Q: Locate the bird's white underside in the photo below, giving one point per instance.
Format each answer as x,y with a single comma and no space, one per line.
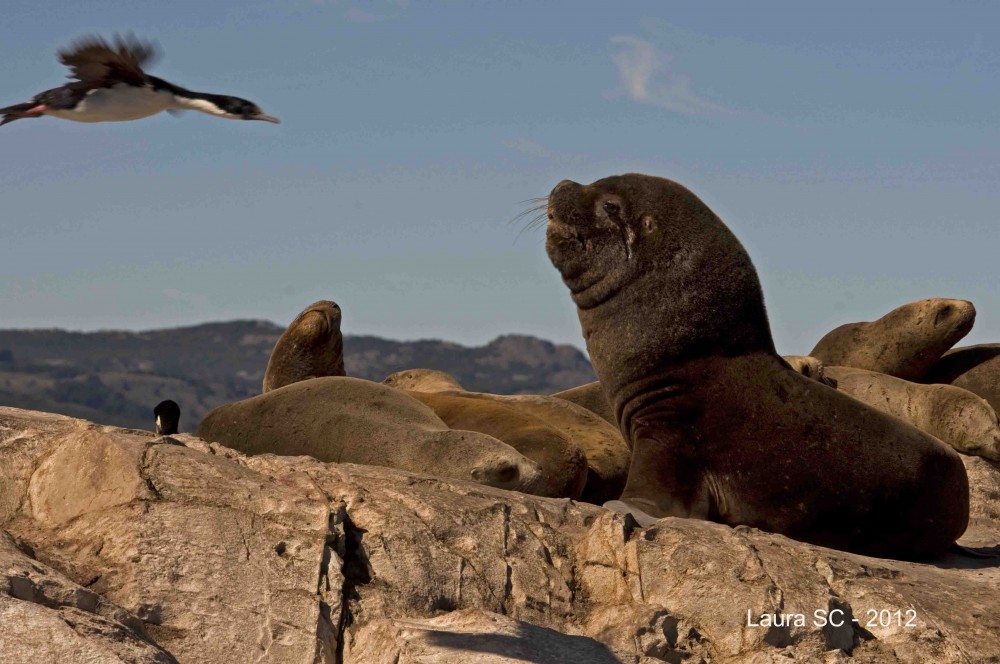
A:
122,102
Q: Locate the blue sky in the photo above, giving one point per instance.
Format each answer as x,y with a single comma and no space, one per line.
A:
855,150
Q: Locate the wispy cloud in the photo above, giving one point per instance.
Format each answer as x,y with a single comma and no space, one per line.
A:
650,78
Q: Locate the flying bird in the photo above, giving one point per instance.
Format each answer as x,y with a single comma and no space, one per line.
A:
110,86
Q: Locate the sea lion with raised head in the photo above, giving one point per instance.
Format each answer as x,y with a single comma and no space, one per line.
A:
311,347
904,343
721,427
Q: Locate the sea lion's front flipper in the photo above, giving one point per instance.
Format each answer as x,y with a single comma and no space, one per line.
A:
642,518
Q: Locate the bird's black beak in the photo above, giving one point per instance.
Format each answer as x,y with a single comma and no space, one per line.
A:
265,117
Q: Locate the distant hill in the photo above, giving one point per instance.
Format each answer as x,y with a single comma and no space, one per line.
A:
117,377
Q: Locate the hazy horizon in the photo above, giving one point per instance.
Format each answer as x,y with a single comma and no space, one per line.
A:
852,148
113,330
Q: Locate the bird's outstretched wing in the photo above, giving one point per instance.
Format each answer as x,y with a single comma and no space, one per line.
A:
94,61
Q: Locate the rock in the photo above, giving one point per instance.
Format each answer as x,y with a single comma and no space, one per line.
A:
219,562
45,617
950,414
287,559
467,635
904,343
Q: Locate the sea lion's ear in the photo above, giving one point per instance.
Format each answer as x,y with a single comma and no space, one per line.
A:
648,224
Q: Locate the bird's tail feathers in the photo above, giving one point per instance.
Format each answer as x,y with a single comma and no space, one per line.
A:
16,112
18,108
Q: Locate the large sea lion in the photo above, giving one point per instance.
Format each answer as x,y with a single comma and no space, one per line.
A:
312,346
561,462
952,415
721,428
905,343
349,420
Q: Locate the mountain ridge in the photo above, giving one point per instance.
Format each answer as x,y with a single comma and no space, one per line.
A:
117,376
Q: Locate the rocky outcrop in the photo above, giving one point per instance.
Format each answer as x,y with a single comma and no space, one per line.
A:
191,550
45,617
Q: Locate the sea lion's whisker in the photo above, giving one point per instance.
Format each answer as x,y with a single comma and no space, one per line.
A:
537,204
538,213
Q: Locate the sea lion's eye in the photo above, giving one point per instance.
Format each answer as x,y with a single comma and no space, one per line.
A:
612,208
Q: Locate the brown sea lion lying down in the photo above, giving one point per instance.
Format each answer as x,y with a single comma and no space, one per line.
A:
349,420
952,415
973,368
562,464
606,454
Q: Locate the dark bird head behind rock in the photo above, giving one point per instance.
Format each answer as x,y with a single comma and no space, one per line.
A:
168,417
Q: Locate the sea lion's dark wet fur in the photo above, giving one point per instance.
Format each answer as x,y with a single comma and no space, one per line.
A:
720,427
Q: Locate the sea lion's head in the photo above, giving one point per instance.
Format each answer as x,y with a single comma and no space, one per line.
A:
602,236
946,318
655,274
319,322
311,347
906,342
423,380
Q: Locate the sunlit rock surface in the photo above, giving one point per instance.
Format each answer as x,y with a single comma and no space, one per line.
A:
134,548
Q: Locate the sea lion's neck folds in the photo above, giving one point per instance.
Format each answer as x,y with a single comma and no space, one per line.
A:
661,398
596,293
